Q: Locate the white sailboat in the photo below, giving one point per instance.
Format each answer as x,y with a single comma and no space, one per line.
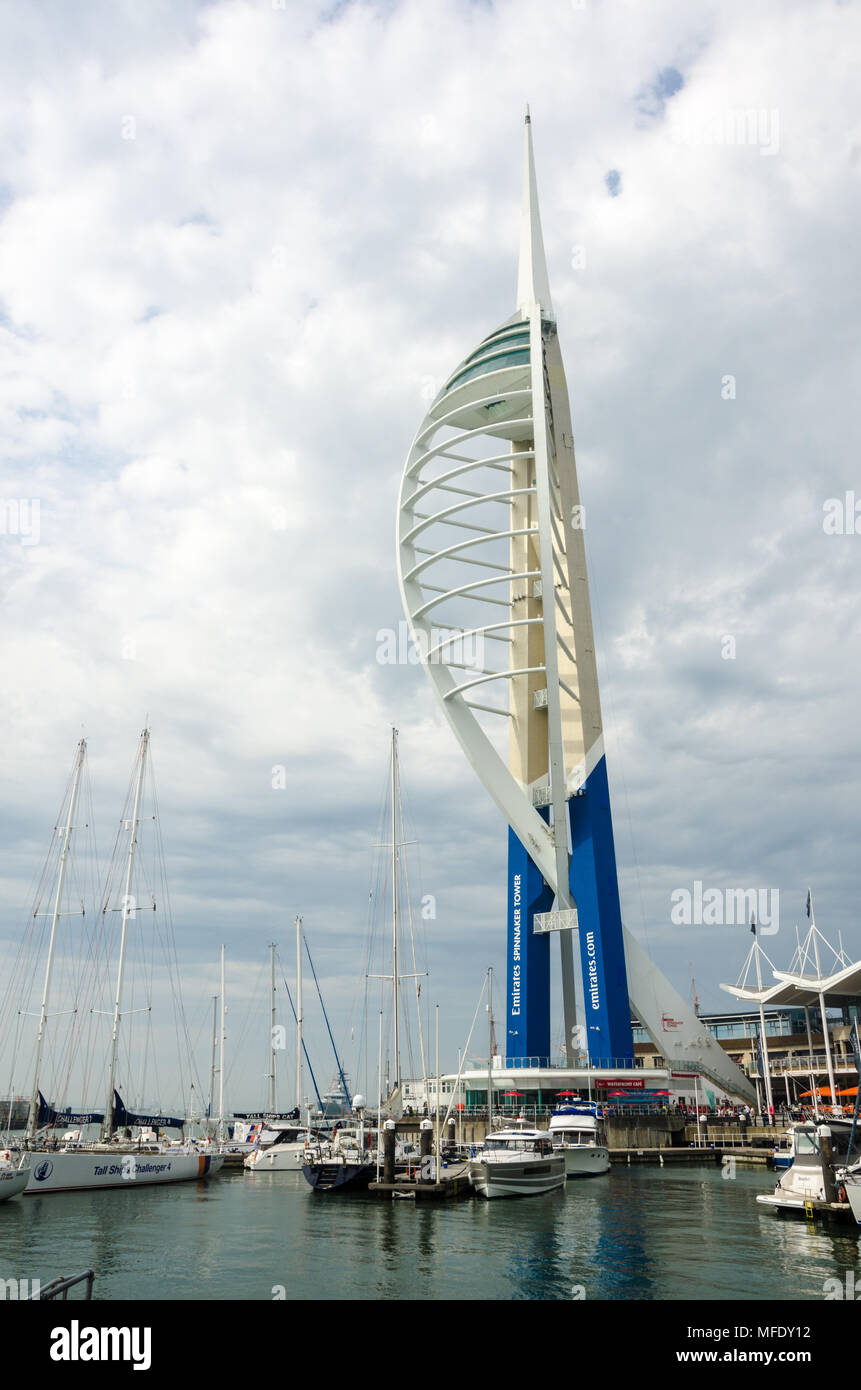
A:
14,1175
71,1164
352,1160
281,1146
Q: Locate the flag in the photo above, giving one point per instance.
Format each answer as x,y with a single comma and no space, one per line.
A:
753,925
808,902
856,1047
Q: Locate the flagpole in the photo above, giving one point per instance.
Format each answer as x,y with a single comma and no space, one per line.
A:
810,1059
856,1052
825,1036
763,1040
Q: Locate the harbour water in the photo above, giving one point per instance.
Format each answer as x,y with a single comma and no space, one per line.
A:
639,1234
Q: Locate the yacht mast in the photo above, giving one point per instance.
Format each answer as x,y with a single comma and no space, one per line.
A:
209,1112
299,1015
490,1049
395,981
221,1055
128,911
33,1115
272,1071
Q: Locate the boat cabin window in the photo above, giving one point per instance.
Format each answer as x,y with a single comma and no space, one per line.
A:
804,1142
516,1144
575,1136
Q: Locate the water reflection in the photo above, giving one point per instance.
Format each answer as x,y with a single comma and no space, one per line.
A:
640,1233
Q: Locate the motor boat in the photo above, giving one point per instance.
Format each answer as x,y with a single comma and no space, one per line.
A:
576,1131
517,1162
818,1151
781,1156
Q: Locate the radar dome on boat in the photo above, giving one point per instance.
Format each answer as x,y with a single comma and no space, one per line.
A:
358,1102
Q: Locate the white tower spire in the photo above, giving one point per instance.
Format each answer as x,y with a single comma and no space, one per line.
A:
533,284
491,548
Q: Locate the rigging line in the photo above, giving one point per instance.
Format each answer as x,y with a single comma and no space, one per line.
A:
417,981
180,1016
456,1088
361,983
66,1054
252,1004
328,1028
304,1048
33,930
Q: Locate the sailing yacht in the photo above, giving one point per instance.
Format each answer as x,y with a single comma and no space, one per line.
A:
351,1160
118,1158
14,1175
280,1144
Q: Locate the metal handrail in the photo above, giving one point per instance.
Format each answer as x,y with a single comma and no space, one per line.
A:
60,1287
805,1063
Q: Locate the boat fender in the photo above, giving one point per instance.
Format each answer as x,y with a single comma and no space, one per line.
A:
841,1193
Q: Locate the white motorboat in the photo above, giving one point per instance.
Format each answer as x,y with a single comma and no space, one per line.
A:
517,1163
281,1149
575,1131
811,1183
14,1175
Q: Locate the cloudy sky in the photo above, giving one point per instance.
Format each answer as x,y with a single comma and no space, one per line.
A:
239,243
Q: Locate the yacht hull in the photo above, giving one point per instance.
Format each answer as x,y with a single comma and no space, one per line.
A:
524,1178
12,1182
78,1172
853,1196
586,1160
339,1177
277,1159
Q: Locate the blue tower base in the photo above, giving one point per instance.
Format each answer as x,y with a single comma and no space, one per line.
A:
528,1002
594,886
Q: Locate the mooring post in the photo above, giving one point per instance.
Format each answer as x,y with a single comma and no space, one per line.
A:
425,1140
389,1139
451,1138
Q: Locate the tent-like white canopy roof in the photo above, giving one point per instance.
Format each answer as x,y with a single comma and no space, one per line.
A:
797,991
